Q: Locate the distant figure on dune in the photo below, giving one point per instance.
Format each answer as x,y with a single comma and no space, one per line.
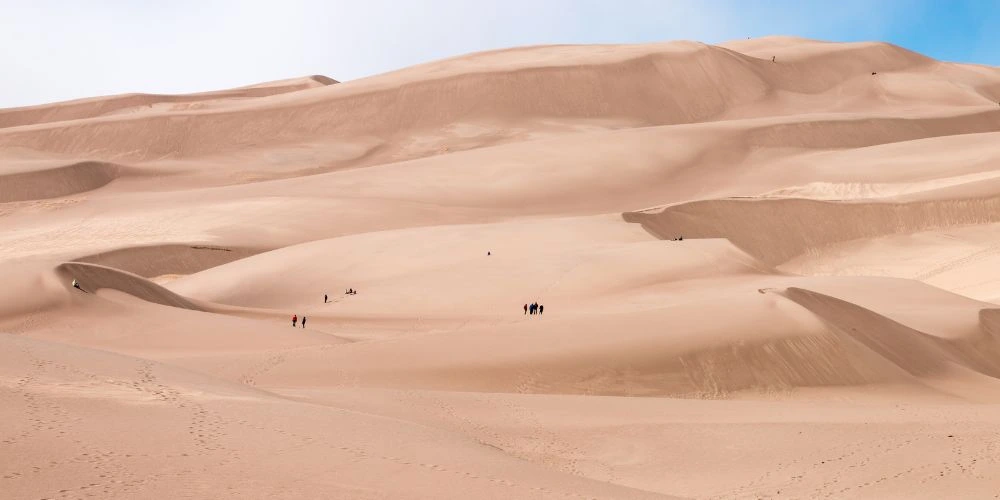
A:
295,319
541,309
303,322
325,298
487,253
772,58
351,291
526,309
76,284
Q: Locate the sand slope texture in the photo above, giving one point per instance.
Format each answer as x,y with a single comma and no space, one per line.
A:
760,280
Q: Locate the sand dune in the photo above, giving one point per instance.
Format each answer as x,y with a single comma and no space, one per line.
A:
158,260
915,352
214,427
101,106
775,231
827,327
94,278
759,345
58,182
651,85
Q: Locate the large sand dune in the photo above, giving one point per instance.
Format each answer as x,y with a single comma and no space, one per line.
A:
828,327
111,105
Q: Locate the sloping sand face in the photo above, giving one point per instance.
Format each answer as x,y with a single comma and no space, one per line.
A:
760,280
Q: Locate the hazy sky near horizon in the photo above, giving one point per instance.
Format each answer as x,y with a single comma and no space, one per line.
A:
52,50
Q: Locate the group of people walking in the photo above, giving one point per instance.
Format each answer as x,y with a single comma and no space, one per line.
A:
534,308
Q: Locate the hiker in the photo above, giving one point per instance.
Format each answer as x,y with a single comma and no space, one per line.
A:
325,298
76,284
541,309
303,322
487,253
526,309
772,58
295,319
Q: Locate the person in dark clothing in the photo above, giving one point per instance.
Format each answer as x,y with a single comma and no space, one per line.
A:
303,322
325,298
541,309
488,253
526,309
295,319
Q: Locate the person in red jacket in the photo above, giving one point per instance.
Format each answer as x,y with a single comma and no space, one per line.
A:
295,319
526,309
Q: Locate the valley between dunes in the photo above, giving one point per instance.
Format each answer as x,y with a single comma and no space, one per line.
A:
761,280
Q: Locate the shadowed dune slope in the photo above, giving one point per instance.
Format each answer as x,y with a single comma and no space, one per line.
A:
156,260
775,230
57,182
93,277
917,353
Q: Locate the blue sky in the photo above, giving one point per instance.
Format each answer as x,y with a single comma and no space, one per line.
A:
59,49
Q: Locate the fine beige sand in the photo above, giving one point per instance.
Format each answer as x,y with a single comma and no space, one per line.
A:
828,327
